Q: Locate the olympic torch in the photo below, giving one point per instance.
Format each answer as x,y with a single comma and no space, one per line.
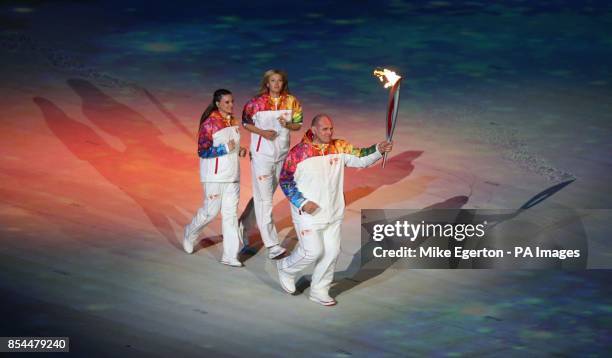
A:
390,79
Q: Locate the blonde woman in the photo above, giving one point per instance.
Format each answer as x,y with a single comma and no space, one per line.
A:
270,117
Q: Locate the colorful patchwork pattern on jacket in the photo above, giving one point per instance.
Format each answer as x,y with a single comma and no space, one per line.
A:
307,149
215,122
266,103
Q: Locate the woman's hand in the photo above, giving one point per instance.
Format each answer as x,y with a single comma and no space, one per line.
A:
242,152
269,134
282,120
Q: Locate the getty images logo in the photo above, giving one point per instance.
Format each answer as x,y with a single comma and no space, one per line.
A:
404,229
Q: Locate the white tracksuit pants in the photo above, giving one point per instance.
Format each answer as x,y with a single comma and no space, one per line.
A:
220,197
319,244
265,175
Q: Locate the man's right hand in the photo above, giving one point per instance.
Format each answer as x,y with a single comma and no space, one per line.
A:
231,145
269,134
310,207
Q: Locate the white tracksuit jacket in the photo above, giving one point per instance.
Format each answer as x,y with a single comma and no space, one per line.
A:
316,173
217,165
263,112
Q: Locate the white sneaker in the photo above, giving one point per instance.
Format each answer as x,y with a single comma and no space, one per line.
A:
324,300
188,241
286,280
276,252
231,262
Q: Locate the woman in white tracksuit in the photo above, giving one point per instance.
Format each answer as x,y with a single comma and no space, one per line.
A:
313,180
219,151
270,117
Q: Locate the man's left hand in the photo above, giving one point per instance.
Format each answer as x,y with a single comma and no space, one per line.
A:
385,147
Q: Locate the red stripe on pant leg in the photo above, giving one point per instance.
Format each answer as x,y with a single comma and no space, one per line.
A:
216,164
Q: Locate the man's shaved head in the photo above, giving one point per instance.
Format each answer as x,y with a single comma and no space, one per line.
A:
317,118
322,128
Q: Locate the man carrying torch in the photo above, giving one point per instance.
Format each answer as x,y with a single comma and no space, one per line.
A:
312,178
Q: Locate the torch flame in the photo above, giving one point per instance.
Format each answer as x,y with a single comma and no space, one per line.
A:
388,77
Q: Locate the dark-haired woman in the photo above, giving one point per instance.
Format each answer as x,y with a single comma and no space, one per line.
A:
219,149
270,117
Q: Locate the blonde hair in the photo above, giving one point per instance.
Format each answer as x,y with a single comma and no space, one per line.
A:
263,88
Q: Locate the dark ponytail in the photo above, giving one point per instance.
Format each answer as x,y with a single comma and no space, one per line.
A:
213,105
